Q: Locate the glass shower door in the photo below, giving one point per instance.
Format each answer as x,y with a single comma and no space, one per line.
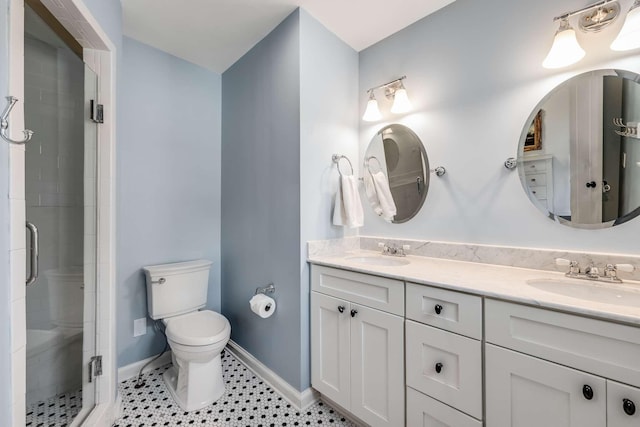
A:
60,189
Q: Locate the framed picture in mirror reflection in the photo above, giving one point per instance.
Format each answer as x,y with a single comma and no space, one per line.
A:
533,140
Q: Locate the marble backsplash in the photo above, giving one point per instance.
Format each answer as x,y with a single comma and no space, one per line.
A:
539,259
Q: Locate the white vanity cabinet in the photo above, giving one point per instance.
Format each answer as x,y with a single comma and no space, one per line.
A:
572,374
357,343
444,357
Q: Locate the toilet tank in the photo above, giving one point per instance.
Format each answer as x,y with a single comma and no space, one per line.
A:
183,288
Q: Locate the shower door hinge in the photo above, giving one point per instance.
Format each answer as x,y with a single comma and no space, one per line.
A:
97,112
95,367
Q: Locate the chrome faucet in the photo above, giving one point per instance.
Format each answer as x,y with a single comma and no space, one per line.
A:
591,272
392,249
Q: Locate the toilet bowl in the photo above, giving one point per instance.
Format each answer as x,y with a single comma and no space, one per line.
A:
196,340
176,293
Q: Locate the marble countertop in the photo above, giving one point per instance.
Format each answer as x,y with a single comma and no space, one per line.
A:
507,283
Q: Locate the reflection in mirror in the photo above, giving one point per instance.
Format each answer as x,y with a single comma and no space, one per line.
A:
579,153
396,173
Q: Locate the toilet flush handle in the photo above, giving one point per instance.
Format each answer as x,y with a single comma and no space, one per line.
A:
160,281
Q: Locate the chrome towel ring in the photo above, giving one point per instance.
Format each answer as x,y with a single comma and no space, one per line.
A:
336,159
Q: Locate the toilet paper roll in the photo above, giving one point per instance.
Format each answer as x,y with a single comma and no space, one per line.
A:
262,305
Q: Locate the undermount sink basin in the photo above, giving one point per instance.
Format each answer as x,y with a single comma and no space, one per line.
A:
606,293
385,261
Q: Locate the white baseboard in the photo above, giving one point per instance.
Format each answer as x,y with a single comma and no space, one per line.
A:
133,369
299,399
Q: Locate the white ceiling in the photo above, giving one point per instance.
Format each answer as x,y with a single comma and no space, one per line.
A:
216,33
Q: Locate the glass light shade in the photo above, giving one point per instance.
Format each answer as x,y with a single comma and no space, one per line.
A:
565,50
401,103
629,36
372,113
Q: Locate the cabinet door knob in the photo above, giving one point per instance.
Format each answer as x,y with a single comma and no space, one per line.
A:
438,367
341,308
438,308
354,312
587,392
628,406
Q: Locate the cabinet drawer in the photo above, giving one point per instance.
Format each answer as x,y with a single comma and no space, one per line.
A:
372,291
607,349
536,179
423,411
616,395
533,166
458,360
459,313
539,192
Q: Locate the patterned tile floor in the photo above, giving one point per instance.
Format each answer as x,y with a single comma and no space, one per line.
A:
57,411
248,402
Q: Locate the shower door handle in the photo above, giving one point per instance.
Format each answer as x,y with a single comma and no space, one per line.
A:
33,253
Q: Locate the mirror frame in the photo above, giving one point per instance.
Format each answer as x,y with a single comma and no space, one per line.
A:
427,170
630,75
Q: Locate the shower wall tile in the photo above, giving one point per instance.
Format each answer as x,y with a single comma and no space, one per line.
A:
17,233
18,260
16,172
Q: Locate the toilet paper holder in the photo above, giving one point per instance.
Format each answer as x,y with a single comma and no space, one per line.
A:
269,289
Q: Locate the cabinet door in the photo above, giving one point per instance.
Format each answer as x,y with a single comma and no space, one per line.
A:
623,405
523,391
330,353
377,367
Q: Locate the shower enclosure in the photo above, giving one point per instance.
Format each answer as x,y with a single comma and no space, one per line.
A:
61,194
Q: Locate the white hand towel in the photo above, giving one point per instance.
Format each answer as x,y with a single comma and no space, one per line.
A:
348,208
385,198
372,196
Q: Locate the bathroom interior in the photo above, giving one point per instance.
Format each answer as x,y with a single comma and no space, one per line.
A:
415,213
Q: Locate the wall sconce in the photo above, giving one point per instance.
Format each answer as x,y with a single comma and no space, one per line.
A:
393,90
566,50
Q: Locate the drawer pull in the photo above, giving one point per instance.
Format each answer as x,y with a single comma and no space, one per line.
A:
354,312
438,308
439,368
628,406
587,392
341,308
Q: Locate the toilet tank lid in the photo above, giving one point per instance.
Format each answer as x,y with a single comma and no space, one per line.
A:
177,267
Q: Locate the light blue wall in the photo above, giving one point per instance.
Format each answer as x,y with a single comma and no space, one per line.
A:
261,193
328,125
5,285
473,83
168,180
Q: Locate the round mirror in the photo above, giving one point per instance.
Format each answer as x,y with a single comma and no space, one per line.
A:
579,152
396,173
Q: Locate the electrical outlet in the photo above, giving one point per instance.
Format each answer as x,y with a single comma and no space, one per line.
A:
139,327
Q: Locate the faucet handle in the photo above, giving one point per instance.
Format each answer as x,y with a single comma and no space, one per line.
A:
573,266
627,268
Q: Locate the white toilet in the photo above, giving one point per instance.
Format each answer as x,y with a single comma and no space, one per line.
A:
175,293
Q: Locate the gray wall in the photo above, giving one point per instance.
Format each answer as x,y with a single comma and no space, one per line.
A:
168,178
5,285
261,193
288,105
328,125
473,83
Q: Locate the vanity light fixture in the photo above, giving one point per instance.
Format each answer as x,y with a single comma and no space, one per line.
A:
566,50
629,36
393,90
372,113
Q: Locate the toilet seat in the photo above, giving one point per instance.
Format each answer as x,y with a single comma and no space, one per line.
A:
199,328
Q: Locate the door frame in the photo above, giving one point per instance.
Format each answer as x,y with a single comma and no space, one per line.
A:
100,55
